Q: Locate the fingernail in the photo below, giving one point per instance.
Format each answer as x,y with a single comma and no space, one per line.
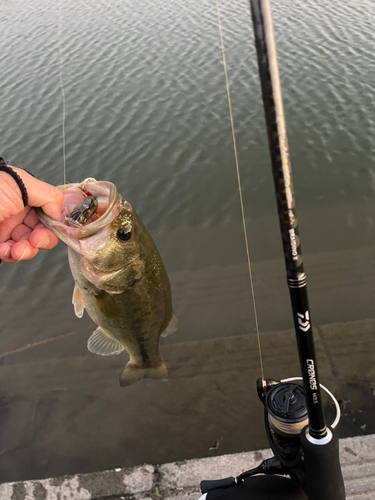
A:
43,243
7,252
25,254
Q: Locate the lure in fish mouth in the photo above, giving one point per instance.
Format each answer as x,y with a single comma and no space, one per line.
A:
83,211
120,278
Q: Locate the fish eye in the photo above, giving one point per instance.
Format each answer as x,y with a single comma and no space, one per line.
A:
124,234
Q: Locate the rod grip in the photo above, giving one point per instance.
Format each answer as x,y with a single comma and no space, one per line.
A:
324,479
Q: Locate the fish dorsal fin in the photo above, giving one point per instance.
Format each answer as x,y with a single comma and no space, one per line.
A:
102,344
77,301
172,326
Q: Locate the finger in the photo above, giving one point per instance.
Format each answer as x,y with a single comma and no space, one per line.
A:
22,250
7,225
55,209
5,252
32,220
43,195
43,238
21,232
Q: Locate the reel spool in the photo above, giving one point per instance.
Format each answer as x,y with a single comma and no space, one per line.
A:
287,410
285,417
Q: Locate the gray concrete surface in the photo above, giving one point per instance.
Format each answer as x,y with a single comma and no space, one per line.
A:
180,480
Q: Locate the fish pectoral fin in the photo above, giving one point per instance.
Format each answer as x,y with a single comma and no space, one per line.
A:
102,344
77,301
172,326
133,373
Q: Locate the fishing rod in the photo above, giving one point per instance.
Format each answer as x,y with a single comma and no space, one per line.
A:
305,449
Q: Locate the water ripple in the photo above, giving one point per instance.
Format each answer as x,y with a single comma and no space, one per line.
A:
146,104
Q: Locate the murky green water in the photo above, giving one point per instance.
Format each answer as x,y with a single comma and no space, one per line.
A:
146,108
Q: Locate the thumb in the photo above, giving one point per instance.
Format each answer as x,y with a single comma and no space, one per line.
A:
41,194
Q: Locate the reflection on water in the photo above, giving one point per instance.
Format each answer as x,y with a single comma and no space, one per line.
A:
146,109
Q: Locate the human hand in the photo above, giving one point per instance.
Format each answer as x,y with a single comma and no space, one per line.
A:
21,232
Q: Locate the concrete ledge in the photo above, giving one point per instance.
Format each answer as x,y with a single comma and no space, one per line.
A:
132,483
180,480
189,474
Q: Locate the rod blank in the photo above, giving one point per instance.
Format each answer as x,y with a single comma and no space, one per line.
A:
282,175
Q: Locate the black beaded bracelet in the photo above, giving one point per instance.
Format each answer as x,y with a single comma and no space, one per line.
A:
4,168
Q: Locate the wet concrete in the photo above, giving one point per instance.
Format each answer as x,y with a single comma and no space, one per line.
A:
68,416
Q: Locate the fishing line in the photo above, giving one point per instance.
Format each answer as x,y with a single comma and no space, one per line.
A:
62,86
239,182
287,428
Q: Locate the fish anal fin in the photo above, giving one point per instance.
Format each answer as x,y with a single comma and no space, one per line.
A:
102,344
172,326
77,301
133,373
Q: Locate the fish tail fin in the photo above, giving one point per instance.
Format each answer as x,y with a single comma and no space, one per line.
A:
133,373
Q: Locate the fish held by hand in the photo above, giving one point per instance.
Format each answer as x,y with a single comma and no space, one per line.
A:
119,276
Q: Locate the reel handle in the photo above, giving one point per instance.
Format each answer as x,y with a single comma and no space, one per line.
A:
214,484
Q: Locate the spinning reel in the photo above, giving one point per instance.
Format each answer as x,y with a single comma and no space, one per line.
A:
286,422
285,415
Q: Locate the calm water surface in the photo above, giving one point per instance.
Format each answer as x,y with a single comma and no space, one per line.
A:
146,108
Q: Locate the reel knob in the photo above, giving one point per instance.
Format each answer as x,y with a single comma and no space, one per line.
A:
286,407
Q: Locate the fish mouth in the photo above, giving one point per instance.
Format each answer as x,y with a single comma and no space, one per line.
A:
96,233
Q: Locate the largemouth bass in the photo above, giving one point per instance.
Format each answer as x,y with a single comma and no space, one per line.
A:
119,277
